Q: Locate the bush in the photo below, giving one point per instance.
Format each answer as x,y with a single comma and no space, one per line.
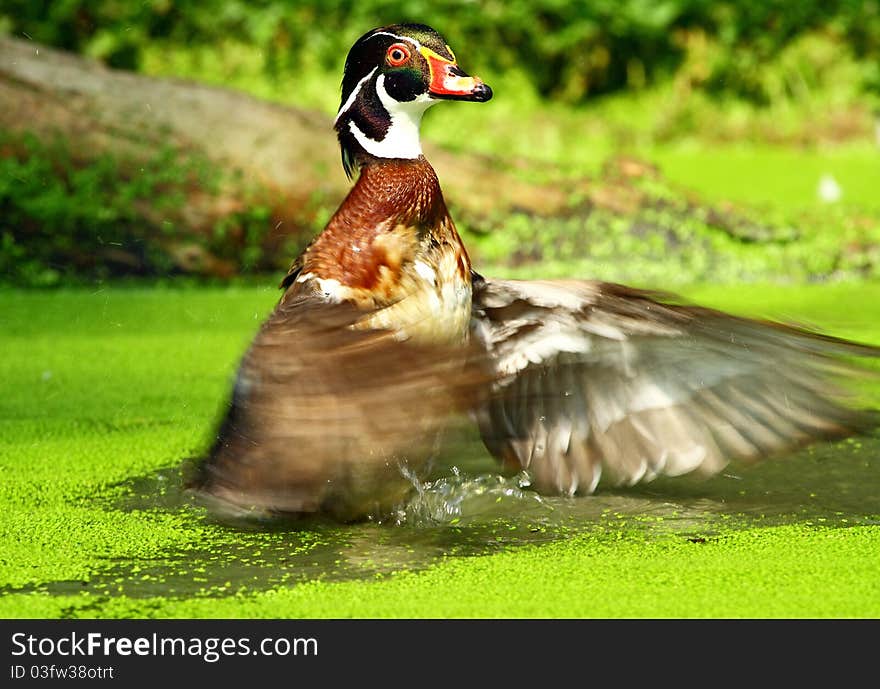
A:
59,220
62,221
569,50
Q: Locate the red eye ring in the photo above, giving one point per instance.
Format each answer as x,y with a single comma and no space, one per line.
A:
397,54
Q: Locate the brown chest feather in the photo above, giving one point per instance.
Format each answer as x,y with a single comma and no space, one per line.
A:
391,239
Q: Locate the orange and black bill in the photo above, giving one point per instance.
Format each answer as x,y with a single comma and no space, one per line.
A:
449,82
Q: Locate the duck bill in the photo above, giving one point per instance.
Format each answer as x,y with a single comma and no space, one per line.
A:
449,82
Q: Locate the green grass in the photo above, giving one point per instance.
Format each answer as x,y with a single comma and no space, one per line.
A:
783,178
107,391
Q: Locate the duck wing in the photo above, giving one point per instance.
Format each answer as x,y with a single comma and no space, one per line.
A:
328,418
592,377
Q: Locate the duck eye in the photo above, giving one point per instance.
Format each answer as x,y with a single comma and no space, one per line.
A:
397,55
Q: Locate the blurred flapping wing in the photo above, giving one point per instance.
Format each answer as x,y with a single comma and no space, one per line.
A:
328,418
592,377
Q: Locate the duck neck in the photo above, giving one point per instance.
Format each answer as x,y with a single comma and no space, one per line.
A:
391,193
393,217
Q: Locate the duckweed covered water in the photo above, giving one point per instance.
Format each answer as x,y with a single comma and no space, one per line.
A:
106,393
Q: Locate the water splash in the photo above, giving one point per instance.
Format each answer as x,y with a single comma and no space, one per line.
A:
459,498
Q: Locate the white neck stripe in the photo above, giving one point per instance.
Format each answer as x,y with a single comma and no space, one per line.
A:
402,140
355,91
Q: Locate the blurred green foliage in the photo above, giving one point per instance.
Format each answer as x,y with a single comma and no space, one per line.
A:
670,239
568,50
62,221
59,219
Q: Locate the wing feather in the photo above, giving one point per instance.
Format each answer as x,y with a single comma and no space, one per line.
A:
591,377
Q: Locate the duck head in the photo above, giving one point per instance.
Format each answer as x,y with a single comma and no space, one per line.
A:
392,75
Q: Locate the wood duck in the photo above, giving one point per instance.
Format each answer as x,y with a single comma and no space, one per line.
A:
384,332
